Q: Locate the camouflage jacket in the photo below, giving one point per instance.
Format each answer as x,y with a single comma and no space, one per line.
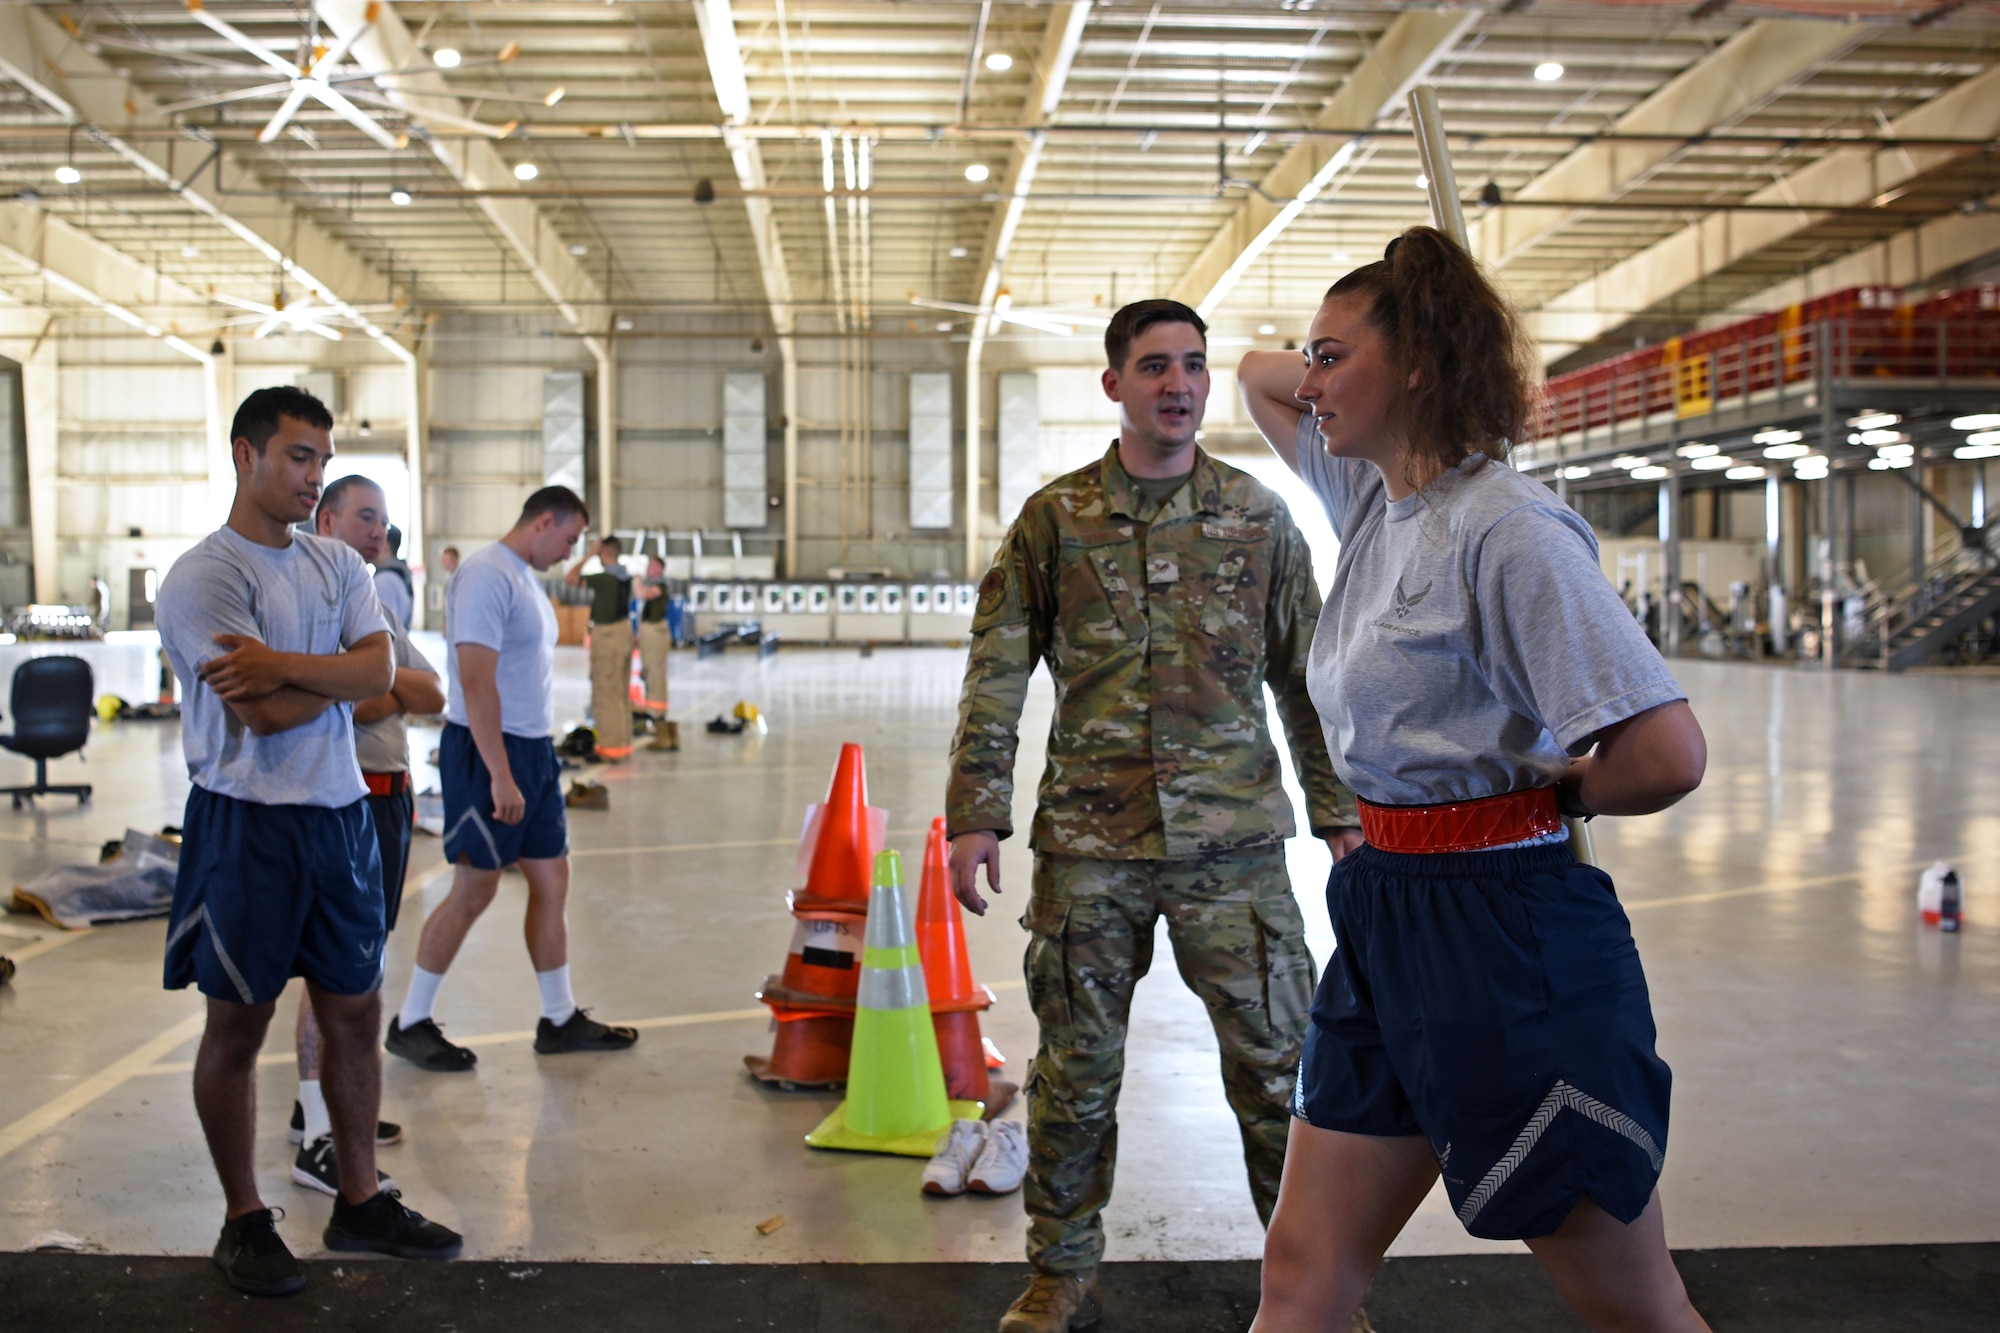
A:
1160,637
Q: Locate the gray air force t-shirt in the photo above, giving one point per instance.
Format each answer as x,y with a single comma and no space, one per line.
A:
495,601
313,597
1471,642
383,746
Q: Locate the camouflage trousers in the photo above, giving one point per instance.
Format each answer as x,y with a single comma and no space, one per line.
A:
1239,941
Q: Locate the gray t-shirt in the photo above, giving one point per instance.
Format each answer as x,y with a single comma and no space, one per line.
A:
383,746
392,586
1471,642
313,597
496,601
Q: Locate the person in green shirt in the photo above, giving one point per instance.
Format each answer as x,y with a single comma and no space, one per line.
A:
610,646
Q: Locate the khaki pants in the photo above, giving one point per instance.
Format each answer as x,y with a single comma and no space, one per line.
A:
610,687
655,639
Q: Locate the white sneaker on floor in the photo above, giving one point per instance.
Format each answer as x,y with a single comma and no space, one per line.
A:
957,1149
1002,1162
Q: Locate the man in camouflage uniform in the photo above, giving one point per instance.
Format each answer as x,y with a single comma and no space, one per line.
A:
1164,590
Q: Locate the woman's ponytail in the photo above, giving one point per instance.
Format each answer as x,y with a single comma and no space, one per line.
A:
1475,386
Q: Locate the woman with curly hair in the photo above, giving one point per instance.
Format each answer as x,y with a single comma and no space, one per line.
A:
1484,1017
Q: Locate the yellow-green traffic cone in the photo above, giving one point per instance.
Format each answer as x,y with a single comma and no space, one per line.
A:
895,1084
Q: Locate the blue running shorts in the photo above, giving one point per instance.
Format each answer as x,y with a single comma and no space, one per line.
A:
266,893
472,836
1492,1002
393,831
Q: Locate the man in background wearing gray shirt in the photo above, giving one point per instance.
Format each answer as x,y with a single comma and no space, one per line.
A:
277,634
503,798
354,510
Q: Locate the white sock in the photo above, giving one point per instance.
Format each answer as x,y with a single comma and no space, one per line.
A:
557,1003
420,999
318,1123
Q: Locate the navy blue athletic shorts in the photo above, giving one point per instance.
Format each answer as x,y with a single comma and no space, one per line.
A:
1492,1002
472,835
266,893
392,835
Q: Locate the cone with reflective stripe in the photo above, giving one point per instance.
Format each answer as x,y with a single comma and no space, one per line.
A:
956,999
896,1099
812,1006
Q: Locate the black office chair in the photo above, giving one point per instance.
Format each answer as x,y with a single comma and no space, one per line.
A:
52,707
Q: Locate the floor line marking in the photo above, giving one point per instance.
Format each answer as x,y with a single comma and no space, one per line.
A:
113,1076
47,944
514,1038
1786,886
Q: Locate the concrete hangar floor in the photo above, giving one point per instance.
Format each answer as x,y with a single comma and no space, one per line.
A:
1835,1160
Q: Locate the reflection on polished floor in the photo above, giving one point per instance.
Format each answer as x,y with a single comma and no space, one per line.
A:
1834,1073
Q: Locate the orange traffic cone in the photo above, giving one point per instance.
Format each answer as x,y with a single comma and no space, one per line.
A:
843,833
809,1051
956,1000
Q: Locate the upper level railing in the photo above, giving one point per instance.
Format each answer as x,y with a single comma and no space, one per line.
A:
1863,346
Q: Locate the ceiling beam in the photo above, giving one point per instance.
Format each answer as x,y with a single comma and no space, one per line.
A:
96,274
1402,57
84,90
1060,40
717,24
385,48
1920,255
1845,178
1736,78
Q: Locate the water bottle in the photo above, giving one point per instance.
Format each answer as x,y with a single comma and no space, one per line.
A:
1951,902
1930,891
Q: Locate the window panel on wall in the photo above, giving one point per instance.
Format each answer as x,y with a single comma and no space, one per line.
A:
930,450
563,429
745,460
1020,438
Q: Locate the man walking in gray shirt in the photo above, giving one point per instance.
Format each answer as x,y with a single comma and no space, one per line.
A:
503,799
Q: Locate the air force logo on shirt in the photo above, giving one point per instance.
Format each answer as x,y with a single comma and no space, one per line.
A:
1402,602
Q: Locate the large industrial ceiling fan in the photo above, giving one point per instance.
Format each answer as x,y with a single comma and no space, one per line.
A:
316,78
1043,319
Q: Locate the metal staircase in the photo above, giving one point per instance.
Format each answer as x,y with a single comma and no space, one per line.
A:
1917,622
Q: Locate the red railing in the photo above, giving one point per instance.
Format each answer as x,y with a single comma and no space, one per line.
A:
1952,337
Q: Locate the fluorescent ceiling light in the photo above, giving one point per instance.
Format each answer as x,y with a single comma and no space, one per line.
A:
526,171
1877,438
555,94
1977,421
1629,461
1776,437
1713,463
1898,451
944,326
1650,474
977,172
999,62
446,57
959,252
1576,473
1423,181
1874,420
1749,472
400,197
1787,451
1698,450
1548,71
1266,330
1984,437
1970,451
190,252
68,174
579,250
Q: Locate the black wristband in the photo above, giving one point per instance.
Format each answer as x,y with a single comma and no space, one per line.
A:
1569,801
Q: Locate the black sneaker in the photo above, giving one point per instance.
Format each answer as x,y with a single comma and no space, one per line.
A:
253,1256
386,1131
582,1033
425,1047
316,1168
384,1226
